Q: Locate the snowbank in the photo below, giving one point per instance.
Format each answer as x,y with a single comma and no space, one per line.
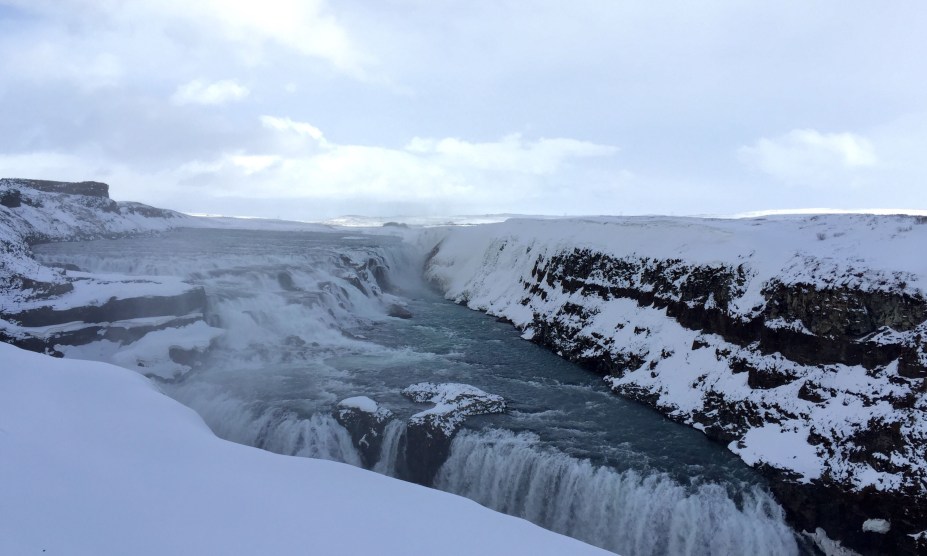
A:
97,461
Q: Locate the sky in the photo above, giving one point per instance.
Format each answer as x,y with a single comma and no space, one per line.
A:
311,109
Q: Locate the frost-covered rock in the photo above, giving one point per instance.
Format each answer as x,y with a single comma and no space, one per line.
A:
429,433
801,342
366,422
453,404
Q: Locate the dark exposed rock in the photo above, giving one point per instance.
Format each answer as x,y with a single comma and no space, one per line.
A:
365,421
193,300
765,379
429,433
874,445
841,513
11,198
844,312
398,311
88,188
285,279
811,392
427,447
910,366
34,289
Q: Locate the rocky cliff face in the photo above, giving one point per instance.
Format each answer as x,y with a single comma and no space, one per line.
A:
805,357
85,188
36,211
47,309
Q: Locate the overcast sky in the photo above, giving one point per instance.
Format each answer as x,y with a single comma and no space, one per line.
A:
308,109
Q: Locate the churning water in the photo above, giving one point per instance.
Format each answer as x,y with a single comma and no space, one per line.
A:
306,324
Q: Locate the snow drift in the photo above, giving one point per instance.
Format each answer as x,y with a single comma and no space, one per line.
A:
97,461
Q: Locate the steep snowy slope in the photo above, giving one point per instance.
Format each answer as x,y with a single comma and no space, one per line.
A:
798,341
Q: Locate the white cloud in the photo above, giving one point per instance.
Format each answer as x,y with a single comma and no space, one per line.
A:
201,92
811,158
511,154
252,164
288,125
306,27
449,170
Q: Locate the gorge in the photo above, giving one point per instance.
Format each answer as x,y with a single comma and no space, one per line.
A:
785,358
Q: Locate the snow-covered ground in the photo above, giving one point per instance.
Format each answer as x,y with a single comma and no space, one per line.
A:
97,461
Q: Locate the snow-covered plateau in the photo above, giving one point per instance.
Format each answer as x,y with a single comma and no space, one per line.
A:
799,343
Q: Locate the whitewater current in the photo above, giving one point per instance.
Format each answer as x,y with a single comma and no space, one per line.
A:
306,324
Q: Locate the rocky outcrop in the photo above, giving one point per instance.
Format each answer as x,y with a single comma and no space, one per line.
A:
88,188
191,301
809,366
365,420
398,311
429,433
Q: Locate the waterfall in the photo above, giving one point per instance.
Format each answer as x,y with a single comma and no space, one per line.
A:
629,512
272,429
390,450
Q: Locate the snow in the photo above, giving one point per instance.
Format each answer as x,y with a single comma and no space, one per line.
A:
829,546
361,403
783,448
151,354
454,402
98,461
879,526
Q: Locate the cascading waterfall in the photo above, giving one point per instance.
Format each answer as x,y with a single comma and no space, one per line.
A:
388,464
273,429
628,512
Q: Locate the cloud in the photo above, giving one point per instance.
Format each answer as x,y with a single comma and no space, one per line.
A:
287,125
811,158
200,92
511,154
305,27
450,170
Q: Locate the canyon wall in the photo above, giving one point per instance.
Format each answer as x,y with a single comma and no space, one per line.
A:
798,342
